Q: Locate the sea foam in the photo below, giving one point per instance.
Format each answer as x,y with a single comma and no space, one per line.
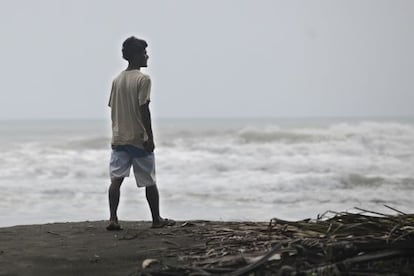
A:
206,169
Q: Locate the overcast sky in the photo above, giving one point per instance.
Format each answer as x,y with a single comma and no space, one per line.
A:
210,58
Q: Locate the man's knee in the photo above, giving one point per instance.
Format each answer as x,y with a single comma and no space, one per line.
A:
152,188
116,181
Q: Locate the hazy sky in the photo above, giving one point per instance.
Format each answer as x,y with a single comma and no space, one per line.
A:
212,58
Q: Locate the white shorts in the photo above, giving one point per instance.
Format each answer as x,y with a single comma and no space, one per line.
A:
142,162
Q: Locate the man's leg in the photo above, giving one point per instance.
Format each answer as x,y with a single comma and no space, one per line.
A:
153,200
114,193
144,170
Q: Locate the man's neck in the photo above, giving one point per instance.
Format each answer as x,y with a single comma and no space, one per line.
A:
133,67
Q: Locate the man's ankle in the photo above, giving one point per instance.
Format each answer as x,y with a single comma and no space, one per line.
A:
156,220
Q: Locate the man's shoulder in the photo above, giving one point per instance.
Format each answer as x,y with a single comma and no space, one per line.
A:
118,77
132,74
145,76
144,79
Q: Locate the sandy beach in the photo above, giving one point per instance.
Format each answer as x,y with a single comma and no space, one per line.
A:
342,244
87,248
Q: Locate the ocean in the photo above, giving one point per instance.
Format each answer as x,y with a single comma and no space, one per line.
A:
210,169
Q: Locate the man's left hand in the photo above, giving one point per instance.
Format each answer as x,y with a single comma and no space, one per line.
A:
149,145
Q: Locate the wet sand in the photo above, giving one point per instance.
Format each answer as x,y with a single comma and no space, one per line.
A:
87,248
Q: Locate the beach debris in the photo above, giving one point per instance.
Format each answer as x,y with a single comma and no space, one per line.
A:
95,258
129,236
362,242
187,224
147,263
171,242
53,233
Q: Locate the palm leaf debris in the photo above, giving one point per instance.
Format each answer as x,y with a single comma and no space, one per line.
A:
344,243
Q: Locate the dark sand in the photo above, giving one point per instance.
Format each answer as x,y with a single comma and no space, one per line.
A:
353,242
87,248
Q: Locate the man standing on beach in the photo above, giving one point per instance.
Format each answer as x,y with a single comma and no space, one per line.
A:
132,138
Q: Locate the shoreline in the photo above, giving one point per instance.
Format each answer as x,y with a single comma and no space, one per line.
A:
333,241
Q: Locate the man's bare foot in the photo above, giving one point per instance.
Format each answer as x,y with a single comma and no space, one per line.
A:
113,226
163,222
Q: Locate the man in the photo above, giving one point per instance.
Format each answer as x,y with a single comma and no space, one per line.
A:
132,138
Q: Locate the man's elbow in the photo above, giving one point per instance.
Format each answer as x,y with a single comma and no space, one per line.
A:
144,109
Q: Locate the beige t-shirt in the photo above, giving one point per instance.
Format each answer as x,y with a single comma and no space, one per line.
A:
130,89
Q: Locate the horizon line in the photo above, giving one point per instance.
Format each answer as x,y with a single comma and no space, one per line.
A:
221,117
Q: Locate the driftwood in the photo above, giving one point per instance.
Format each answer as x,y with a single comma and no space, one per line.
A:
361,243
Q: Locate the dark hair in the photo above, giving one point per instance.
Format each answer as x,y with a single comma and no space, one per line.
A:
132,46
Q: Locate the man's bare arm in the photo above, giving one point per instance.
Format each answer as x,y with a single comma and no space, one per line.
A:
146,120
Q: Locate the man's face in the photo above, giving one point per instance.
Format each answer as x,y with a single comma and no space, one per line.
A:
143,59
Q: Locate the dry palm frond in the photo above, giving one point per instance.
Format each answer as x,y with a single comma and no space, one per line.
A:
336,243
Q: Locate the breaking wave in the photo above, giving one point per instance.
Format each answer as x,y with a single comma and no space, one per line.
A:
238,171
